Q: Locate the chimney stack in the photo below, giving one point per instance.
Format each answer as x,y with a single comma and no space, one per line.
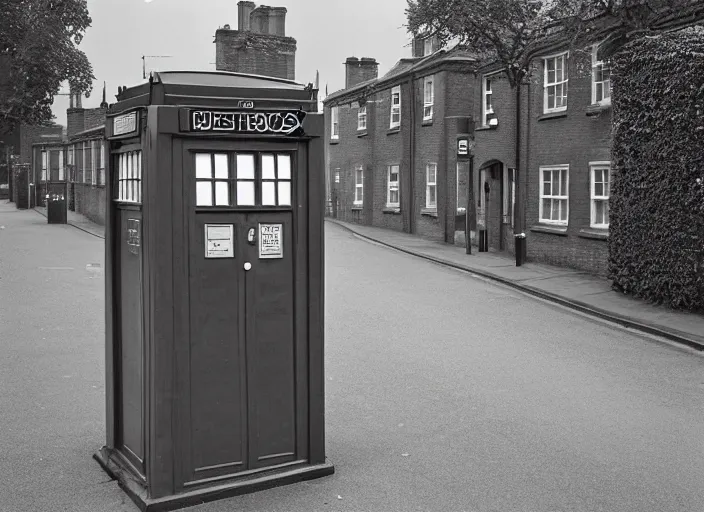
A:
358,71
244,11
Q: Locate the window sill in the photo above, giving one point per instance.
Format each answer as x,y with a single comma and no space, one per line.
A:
357,207
485,128
553,115
427,122
394,210
362,133
597,108
429,212
393,130
594,233
334,141
550,230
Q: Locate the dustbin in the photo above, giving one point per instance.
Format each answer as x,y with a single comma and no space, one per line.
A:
56,203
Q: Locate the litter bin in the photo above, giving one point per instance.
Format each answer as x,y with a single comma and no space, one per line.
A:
56,203
214,287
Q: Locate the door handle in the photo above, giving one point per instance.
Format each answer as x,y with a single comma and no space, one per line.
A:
251,236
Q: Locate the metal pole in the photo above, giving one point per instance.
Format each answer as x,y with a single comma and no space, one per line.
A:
470,205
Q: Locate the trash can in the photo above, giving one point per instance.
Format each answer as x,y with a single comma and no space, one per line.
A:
56,203
214,287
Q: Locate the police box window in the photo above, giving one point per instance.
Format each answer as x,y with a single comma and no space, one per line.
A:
243,179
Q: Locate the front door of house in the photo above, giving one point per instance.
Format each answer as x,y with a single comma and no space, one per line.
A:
241,287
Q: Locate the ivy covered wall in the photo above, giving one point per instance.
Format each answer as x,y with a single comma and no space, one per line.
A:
656,233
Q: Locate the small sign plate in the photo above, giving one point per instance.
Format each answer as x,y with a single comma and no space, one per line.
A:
133,235
124,124
219,241
271,237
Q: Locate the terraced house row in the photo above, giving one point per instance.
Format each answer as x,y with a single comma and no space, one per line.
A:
392,150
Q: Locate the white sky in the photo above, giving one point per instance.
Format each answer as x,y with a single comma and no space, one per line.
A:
326,31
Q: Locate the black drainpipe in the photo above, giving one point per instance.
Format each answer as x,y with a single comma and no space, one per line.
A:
519,237
412,147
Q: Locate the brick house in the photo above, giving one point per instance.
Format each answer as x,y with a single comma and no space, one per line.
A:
565,145
391,142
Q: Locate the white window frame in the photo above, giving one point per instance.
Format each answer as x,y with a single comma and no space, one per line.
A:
554,196
427,46
45,164
429,184
101,165
395,108
390,186
486,113
596,64
358,186
362,118
62,166
95,160
565,81
593,198
84,146
337,175
428,99
335,123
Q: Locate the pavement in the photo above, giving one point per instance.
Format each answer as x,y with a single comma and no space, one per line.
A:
445,392
578,290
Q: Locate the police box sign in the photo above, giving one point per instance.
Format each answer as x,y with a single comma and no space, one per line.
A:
124,124
284,122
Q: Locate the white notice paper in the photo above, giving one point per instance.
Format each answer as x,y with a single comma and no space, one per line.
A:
271,241
219,241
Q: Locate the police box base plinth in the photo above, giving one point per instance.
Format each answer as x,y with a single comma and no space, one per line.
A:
245,483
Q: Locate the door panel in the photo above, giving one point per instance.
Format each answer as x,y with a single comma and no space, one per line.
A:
270,343
131,358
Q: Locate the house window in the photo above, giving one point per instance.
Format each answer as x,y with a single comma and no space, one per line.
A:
555,83
62,166
554,199
428,97
431,198
101,165
601,80
335,120
44,165
337,175
95,154
362,118
395,107
487,105
600,178
358,185
87,163
392,195
276,180
129,177
427,47
70,163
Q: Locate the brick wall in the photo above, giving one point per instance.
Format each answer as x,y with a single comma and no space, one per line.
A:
90,201
574,139
34,134
94,117
261,54
358,71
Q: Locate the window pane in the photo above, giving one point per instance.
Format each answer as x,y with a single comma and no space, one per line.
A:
203,166
245,168
359,177
268,193
221,167
546,209
431,194
394,196
245,192
268,172
599,212
285,193
204,194
551,96
284,162
546,188
222,193
563,182
606,212
563,209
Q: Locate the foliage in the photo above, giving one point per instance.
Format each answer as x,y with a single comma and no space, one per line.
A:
656,232
507,31
39,51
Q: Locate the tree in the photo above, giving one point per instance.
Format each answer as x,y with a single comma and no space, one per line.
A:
38,52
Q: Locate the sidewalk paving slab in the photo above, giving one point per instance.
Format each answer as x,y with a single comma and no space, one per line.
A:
79,221
578,290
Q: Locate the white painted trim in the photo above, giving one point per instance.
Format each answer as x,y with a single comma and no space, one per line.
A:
594,166
540,195
566,54
394,90
388,185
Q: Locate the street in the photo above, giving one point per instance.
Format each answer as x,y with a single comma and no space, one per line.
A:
444,392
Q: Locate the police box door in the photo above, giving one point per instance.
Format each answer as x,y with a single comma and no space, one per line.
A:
243,389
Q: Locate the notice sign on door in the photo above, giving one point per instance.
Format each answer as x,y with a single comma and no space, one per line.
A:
271,241
219,241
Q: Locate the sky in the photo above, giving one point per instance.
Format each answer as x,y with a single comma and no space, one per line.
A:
326,32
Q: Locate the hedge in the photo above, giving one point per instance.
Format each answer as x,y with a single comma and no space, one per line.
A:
656,231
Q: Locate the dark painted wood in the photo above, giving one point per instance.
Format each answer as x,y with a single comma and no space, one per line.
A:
316,301
158,216
110,310
131,370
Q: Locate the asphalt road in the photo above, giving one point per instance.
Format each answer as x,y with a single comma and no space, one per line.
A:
444,393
